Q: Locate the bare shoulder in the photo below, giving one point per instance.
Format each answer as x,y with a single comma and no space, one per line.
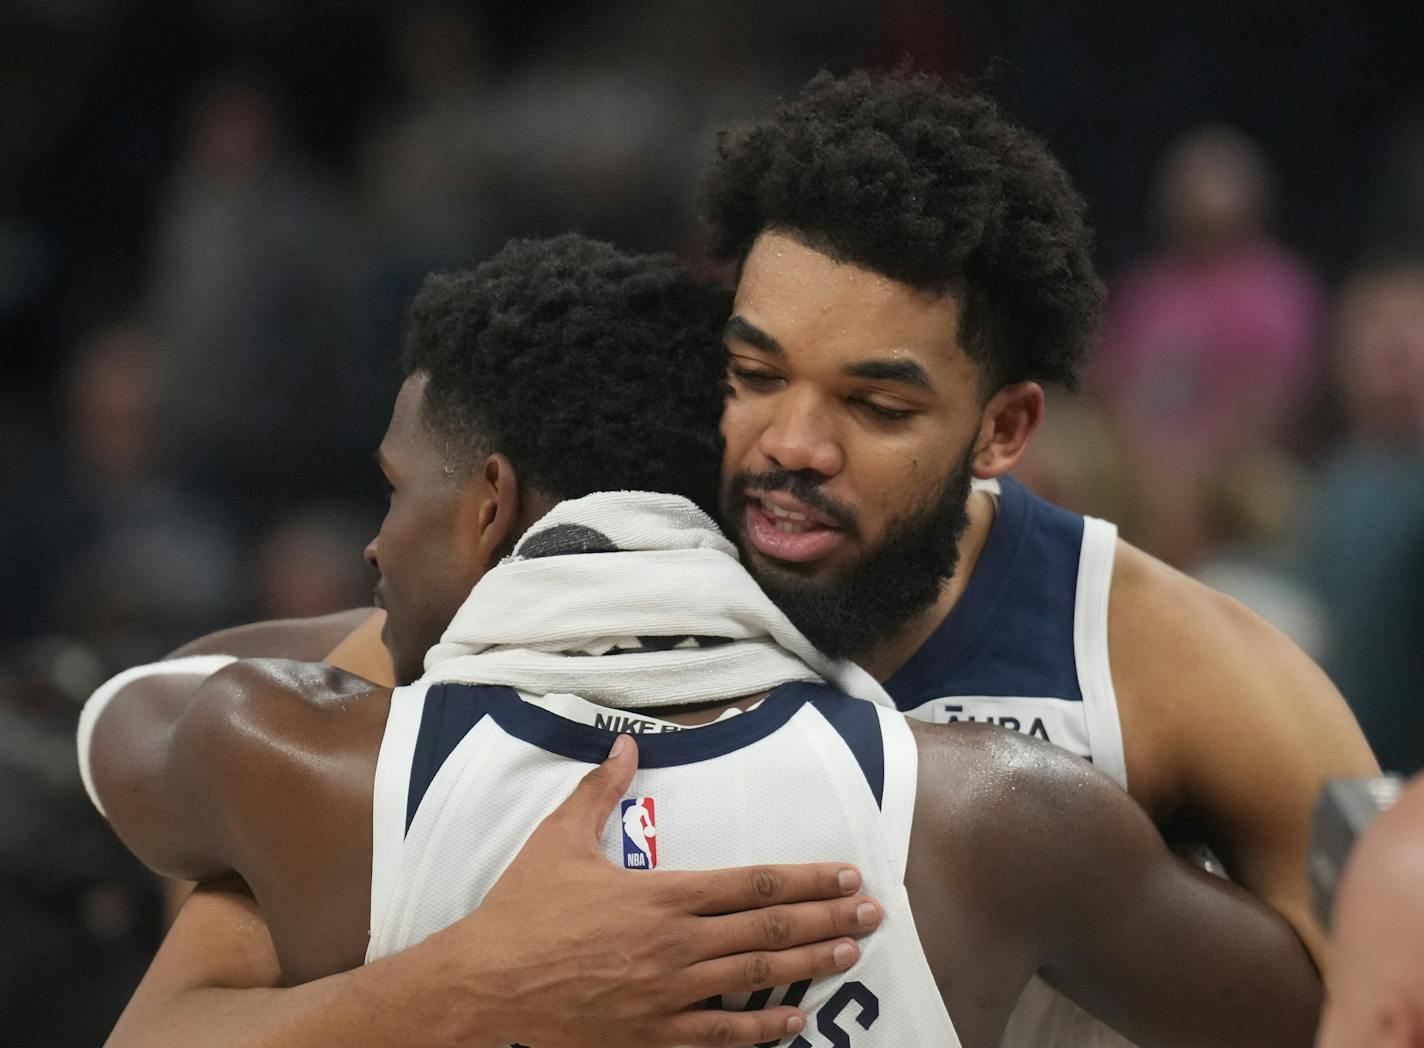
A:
1196,672
268,726
991,800
1230,731
267,686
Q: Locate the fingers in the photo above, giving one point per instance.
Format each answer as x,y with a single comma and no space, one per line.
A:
709,892
747,972
699,1028
779,927
594,797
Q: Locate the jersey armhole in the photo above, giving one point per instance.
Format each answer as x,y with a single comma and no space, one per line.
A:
897,806
389,796
1090,647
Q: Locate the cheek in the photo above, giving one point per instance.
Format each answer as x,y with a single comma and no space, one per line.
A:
892,475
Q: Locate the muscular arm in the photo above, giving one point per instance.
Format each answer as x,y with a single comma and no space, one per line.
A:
1230,730
1067,870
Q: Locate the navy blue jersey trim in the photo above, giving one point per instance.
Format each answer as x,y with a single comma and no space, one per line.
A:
858,723
1011,631
451,710
584,742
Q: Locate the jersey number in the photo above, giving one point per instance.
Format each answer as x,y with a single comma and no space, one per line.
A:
828,1015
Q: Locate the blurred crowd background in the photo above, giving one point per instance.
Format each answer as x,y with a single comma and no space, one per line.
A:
213,213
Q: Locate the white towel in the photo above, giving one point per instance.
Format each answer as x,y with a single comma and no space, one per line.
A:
631,600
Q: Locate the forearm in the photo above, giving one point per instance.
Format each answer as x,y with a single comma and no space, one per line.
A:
304,640
1188,960
216,981
376,1005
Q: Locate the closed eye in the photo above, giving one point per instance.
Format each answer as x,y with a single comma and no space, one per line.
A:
754,378
880,411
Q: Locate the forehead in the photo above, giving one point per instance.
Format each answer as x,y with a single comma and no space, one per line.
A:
407,431
806,299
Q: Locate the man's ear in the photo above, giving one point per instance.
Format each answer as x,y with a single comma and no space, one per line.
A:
1009,421
494,508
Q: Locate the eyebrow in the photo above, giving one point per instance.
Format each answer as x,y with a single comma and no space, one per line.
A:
906,371
743,330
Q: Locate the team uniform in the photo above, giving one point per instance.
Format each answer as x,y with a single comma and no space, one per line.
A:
1026,648
466,772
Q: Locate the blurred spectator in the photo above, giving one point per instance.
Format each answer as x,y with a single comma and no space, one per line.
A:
1365,523
309,562
1078,459
1250,510
255,299
95,539
1212,343
426,161
1374,977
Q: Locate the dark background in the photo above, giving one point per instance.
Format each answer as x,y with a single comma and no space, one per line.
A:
212,216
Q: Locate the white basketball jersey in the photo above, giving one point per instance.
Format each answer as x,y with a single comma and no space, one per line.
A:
466,773
1026,648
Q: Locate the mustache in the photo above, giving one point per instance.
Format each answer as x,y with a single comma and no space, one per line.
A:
797,486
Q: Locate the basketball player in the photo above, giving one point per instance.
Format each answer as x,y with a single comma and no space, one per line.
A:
659,928
1022,859
1375,978
912,270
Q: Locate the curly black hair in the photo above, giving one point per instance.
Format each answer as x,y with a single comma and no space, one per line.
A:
933,187
591,369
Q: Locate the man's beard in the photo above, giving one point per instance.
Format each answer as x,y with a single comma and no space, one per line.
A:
846,614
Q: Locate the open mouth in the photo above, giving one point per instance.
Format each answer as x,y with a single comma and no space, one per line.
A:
783,528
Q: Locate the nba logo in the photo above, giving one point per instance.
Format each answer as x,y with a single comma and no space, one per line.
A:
640,834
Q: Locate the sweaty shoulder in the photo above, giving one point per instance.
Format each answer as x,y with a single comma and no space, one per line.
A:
275,725
261,688
1009,832
987,794
292,749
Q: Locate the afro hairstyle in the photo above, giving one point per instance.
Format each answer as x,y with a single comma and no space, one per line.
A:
931,186
591,369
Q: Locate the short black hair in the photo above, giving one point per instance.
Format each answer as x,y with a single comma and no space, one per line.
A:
591,369
933,187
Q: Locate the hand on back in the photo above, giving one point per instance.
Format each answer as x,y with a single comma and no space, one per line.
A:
568,949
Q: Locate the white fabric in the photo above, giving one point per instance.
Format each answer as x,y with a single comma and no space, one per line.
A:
388,794
193,665
1044,1018
675,575
902,768
796,794
1090,647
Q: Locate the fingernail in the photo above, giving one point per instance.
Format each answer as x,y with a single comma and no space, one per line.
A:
849,880
795,1024
617,747
866,914
844,955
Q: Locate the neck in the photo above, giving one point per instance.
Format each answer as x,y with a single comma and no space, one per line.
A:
884,659
703,713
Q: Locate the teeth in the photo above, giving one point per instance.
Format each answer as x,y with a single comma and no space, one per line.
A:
788,527
782,514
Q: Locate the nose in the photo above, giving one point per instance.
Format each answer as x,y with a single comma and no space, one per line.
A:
801,437
370,553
